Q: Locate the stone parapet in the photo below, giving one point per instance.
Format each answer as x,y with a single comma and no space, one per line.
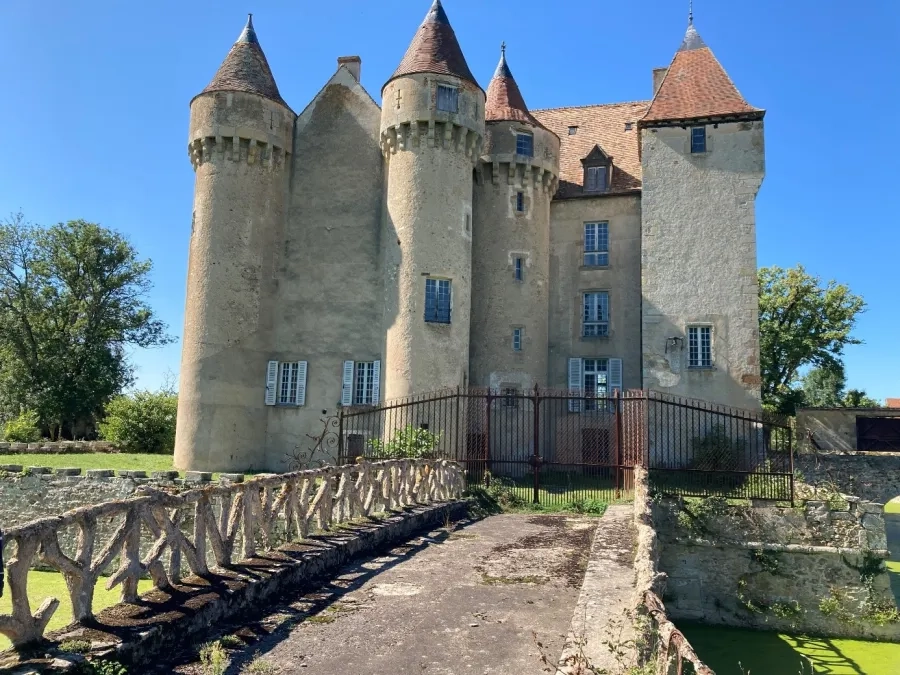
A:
57,447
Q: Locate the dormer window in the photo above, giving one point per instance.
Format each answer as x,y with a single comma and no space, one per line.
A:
525,144
447,98
573,131
597,170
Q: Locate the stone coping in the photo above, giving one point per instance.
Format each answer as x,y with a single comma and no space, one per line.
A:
57,447
779,548
141,634
51,473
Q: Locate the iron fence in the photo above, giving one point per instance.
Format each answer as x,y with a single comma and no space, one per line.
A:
555,446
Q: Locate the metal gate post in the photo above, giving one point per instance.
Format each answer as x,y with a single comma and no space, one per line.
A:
536,457
487,436
790,438
617,400
341,449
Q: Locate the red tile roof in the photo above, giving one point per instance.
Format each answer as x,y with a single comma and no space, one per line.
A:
892,403
434,49
246,69
504,100
602,125
696,86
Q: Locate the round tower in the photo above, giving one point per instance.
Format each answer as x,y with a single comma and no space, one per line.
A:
432,125
515,181
239,144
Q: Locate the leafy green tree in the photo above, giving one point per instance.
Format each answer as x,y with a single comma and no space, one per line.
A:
856,398
824,387
407,442
802,322
23,429
143,421
72,300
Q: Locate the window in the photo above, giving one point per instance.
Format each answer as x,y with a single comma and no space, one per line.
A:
361,383
700,346
628,126
596,178
447,98
286,383
525,145
596,244
596,314
517,340
698,139
573,131
594,378
437,300
520,202
518,269
510,397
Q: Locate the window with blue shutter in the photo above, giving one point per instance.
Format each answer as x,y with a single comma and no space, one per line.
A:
437,300
447,98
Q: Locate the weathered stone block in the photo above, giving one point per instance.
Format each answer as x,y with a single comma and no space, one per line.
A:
164,475
39,469
4,445
232,478
871,507
100,473
68,471
132,474
876,539
842,515
197,476
12,468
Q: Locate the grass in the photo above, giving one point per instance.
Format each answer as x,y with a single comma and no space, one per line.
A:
94,460
726,650
42,585
893,506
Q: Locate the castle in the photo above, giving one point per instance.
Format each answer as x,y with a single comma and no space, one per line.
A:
454,238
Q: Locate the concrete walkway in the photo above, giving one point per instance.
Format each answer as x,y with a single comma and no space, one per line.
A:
476,599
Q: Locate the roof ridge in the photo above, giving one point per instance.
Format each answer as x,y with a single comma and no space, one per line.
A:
592,105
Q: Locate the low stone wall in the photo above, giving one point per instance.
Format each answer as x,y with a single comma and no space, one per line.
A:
56,448
818,569
871,476
833,429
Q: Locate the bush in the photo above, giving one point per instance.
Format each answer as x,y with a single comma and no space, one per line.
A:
141,422
23,429
718,451
407,442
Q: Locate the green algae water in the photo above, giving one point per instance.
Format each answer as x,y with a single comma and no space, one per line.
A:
728,650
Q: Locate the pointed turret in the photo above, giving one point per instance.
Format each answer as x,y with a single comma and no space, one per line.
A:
504,100
697,87
435,49
246,68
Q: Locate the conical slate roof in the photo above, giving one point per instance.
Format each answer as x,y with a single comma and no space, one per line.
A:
246,68
696,86
504,100
434,49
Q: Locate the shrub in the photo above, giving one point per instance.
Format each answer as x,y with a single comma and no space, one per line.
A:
141,422
75,646
23,429
407,442
213,659
718,450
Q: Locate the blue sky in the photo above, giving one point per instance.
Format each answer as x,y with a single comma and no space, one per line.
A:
95,114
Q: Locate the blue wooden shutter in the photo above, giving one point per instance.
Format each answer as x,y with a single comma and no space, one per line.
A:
575,384
271,382
376,381
347,384
615,375
301,383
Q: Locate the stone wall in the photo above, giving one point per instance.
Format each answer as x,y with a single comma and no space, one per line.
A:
56,448
871,476
818,569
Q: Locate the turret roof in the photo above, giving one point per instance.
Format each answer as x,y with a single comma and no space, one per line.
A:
246,68
434,49
504,100
696,86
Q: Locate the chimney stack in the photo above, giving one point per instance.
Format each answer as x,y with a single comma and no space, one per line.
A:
658,75
351,63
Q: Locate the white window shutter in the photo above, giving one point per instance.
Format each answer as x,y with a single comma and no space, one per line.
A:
615,375
376,382
575,384
301,382
347,384
271,382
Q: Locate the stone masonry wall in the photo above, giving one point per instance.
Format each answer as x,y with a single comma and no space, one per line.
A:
833,429
56,448
816,569
870,476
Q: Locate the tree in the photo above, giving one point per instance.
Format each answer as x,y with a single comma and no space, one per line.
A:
856,398
823,387
72,299
801,323
143,421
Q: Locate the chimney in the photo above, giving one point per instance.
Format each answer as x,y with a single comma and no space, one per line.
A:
351,63
658,75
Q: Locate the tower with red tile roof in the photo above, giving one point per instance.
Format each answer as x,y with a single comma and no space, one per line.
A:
432,129
702,159
240,147
516,179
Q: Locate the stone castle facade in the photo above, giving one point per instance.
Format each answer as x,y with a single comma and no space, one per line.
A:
451,237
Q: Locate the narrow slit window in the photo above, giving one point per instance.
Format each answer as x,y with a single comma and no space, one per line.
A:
447,98
519,271
517,339
437,300
700,346
510,397
596,244
698,139
525,145
520,202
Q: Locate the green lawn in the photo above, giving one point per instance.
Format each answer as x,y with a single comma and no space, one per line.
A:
94,460
727,650
42,585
